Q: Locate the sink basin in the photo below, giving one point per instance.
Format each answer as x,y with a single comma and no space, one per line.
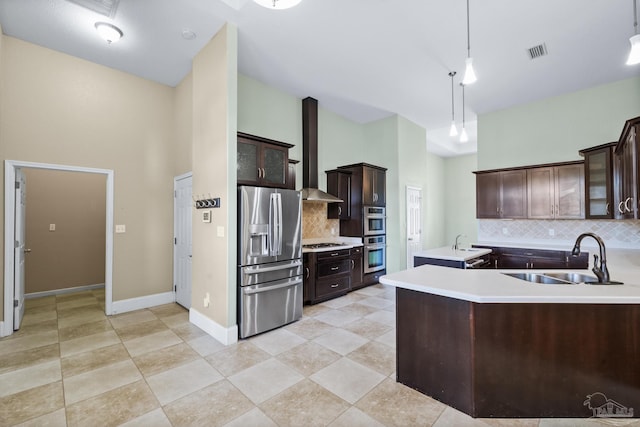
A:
539,278
573,277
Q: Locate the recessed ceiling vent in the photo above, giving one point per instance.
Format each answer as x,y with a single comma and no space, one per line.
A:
537,51
103,7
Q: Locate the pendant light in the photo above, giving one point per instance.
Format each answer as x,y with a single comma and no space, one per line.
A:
634,54
453,131
463,135
277,4
469,74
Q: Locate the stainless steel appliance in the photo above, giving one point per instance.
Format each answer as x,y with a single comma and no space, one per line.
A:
374,220
375,248
269,259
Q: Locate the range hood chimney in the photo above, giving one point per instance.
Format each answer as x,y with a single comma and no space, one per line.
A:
310,191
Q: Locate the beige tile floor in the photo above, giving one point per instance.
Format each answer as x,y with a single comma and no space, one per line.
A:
70,365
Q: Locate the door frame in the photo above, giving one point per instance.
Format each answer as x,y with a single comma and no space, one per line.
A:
175,216
10,167
407,246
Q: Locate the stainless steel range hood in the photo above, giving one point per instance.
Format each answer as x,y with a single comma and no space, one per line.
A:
310,191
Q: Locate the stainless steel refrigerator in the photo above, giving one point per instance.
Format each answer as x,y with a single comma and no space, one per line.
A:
269,258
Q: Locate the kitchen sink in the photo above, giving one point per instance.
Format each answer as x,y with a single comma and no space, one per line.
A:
573,277
539,278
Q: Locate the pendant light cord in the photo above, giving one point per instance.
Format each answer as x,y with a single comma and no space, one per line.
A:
468,37
453,116
462,105
635,16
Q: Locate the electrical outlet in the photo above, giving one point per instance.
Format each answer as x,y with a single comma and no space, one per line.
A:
505,231
207,300
52,227
552,232
121,228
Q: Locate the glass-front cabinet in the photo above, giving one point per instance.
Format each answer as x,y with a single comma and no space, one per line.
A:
599,174
262,162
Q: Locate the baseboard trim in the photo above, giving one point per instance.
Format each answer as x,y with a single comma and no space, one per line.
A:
226,336
139,303
63,291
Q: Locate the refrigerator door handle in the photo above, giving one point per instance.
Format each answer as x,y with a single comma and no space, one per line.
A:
279,234
275,224
256,270
286,284
271,220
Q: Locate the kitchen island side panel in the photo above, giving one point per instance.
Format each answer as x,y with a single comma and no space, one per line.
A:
544,360
520,360
434,354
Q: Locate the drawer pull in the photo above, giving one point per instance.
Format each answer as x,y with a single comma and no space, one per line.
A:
335,285
335,254
335,268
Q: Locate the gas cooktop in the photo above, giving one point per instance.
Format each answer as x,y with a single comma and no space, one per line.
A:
322,245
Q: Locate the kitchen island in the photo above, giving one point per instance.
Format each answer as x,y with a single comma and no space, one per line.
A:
492,345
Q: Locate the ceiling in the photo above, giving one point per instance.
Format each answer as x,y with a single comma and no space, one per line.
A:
362,59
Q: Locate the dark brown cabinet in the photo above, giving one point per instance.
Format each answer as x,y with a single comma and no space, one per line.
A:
291,174
326,275
627,162
599,181
367,185
262,162
339,184
525,258
501,194
556,192
357,272
373,186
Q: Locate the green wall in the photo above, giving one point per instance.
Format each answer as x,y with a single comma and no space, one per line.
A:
460,198
554,129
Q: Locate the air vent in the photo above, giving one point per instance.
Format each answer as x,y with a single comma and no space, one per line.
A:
537,51
103,7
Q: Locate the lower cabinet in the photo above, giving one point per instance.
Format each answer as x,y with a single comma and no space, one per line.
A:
331,274
523,258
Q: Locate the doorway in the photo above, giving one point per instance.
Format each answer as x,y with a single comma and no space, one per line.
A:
11,292
414,222
182,248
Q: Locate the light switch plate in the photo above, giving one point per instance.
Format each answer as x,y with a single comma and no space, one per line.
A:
52,227
121,228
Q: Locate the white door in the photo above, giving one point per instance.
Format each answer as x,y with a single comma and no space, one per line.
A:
414,223
18,272
182,208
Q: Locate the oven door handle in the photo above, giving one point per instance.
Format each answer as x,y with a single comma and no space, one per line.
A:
375,247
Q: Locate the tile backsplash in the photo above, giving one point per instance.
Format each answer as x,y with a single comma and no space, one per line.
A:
315,223
616,234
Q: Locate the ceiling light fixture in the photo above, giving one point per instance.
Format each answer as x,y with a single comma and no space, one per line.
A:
453,131
109,32
634,55
277,4
463,135
469,74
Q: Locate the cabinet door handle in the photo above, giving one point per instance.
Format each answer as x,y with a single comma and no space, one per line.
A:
620,207
353,264
339,210
335,285
307,270
607,208
626,207
552,210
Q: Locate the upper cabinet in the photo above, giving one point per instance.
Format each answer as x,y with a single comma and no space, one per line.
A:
556,192
262,162
627,162
373,186
339,184
541,192
599,181
501,194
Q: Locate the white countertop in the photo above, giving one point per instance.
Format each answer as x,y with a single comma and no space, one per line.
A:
448,253
490,286
344,242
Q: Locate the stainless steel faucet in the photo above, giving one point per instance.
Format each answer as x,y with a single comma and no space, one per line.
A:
600,271
455,245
